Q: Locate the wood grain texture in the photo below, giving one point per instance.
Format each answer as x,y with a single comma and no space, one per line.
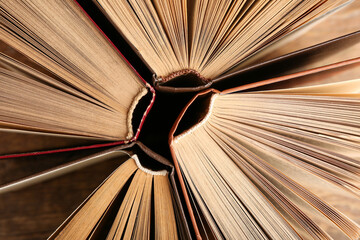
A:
35,212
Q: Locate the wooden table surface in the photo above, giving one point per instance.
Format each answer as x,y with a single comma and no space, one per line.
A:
34,213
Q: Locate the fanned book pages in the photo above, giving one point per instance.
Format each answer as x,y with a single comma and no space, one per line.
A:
204,40
134,202
270,151
278,164
89,89
133,219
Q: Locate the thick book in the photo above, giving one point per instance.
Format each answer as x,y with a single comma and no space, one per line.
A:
84,86
139,199
276,159
210,43
279,156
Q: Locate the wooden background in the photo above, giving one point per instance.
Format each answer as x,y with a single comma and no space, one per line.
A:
35,212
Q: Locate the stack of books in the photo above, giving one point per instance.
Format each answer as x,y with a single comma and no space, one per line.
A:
258,149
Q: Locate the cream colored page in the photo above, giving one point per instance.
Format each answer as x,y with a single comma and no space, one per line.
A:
65,41
52,110
141,24
225,194
305,147
82,223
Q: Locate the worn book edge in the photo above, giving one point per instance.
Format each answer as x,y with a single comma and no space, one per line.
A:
201,122
146,170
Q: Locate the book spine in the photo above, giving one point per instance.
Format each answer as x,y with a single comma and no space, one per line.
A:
199,124
182,72
147,170
152,90
174,90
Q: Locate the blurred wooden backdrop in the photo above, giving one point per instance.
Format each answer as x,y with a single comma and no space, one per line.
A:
34,213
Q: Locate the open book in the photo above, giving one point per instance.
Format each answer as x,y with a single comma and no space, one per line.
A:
89,89
278,164
266,153
191,45
138,200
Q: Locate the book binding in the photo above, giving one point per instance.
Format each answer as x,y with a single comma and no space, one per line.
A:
280,66
179,128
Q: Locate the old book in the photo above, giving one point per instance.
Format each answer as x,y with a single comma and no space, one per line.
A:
268,161
65,84
138,200
191,45
88,90
92,92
